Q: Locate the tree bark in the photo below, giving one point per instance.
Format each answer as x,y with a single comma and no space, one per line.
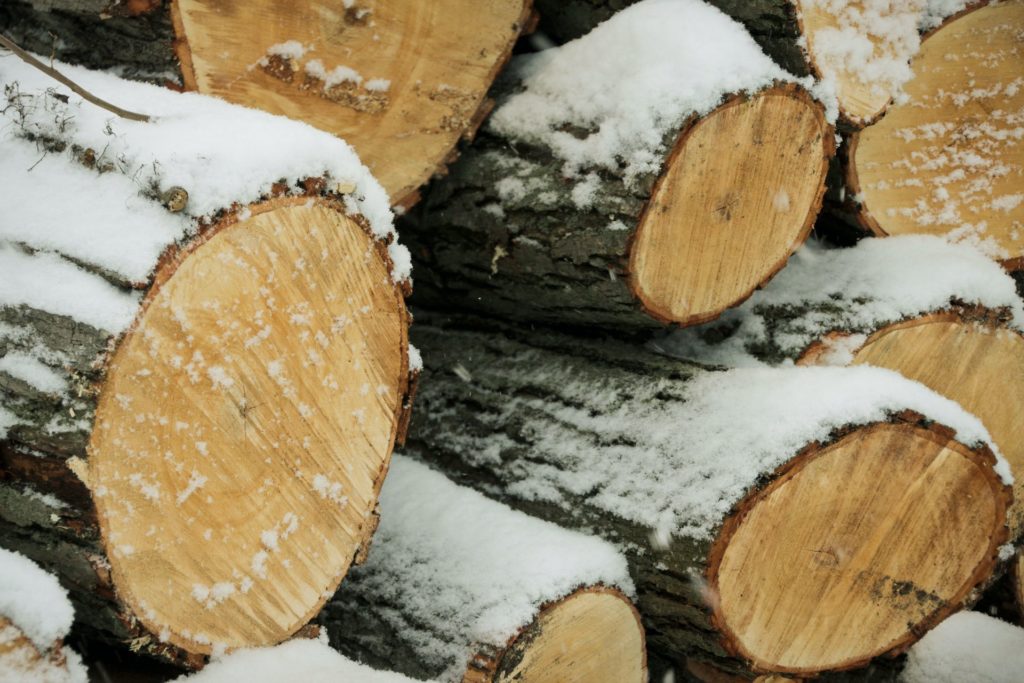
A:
540,428
504,232
451,592
155,407
403,108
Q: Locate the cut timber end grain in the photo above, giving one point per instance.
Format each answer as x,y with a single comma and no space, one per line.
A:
400,80
857,575
210,444
737,197
977,364
950,160
591,636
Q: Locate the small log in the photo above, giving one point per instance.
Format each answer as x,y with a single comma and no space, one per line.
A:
461,588
949,159
806,37
401,81
203,356
697,471
587,202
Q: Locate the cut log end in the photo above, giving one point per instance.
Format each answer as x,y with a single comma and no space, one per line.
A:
402,81
950,160
865,573
245,424
694,253
591,636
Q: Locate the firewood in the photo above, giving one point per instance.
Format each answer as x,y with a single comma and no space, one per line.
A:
399,80
203,359
861,47
461,588
949,159
787,521
660,188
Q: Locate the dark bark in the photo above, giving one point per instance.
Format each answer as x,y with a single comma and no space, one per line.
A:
97,34
772,23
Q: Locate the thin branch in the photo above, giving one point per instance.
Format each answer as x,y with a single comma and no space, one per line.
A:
58,76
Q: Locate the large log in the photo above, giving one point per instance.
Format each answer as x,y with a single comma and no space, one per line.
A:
400,80
940,314
861,48
663,188
725,488
461,588
208,329
949,158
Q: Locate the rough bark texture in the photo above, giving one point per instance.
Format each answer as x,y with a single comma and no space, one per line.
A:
98,34
772,23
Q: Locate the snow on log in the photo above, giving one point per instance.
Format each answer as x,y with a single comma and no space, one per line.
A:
310,661
202,317
949,158
461,588
35,616
401,80
860,47
891,520
938,313
969,646
662,186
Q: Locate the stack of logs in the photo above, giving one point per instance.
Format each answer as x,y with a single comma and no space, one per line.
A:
197,449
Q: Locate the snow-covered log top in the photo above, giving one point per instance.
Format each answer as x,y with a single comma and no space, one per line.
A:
461,572
968,646
671,455
222,155
631,82
857,290
309,661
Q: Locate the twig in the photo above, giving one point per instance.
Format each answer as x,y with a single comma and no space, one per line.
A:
58,76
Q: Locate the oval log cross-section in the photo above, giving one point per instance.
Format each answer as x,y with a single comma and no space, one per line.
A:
857,575
735,201
592,636
950,159
400,80
978,365
243,431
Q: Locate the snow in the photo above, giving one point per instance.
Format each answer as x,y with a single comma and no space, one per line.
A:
679,466
857,290
221,154
872,41
310,661
48,282
937,11
28,369
673,59
467,571
968,646
33,600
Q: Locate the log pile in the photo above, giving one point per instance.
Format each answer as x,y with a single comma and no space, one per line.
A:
656,426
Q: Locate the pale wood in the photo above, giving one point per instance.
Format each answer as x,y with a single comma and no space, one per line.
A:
976,364
955,142
854,576
736,200
1017,579
861,99
201,390
439,57
592,636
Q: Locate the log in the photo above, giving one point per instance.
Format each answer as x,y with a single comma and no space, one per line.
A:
695,472
609,195
949,159
203,357
401,81
860,47
35,617
461,588
940,314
